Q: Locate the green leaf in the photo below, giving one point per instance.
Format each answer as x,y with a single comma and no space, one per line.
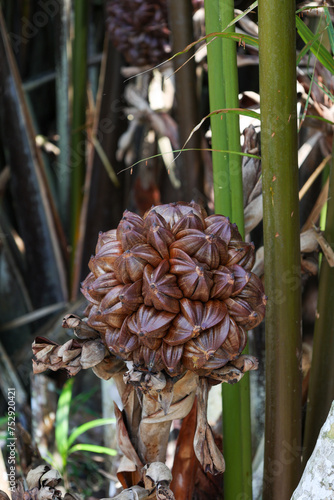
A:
62,418
321,119
329,28
308,46
183,150
243,14
88,425
233,111
3,421
317,48
325,90
241,38
93,449
308,7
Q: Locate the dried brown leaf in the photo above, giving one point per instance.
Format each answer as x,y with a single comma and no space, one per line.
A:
205,447
124,440
93,352
79,326
155,473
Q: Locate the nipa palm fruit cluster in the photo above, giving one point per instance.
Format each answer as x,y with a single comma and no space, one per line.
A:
139,29
174,290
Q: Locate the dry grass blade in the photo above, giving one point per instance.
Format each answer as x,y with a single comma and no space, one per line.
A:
315,213
326,248
313,176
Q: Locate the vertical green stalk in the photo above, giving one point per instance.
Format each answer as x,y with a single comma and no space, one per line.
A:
220,161
321,388
231,85
79,113
277,35
236,399
223,90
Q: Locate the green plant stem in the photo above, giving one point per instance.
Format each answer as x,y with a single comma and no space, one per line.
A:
231,85
236,399
282,248
79,114
220,161
321,387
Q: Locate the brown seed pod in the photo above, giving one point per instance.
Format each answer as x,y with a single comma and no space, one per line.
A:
152,217
208,249
130,236
241,278
129,266
85,285
115,315
194,278
220,226
194,319
160,238
171,357
223,283
242,253
111,340
148,322
96,321
189,221
111,298
131,295
236,339
160,288
254,292
104,260
105,237
130,219
149,342
98,287
173,212
198,351
128,342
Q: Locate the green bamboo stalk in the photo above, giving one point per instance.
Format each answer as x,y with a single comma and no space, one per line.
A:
79,79
220,161
321,388
231,86
236,399
282,248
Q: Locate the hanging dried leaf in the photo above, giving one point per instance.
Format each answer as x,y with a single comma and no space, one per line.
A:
205,447
124,441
